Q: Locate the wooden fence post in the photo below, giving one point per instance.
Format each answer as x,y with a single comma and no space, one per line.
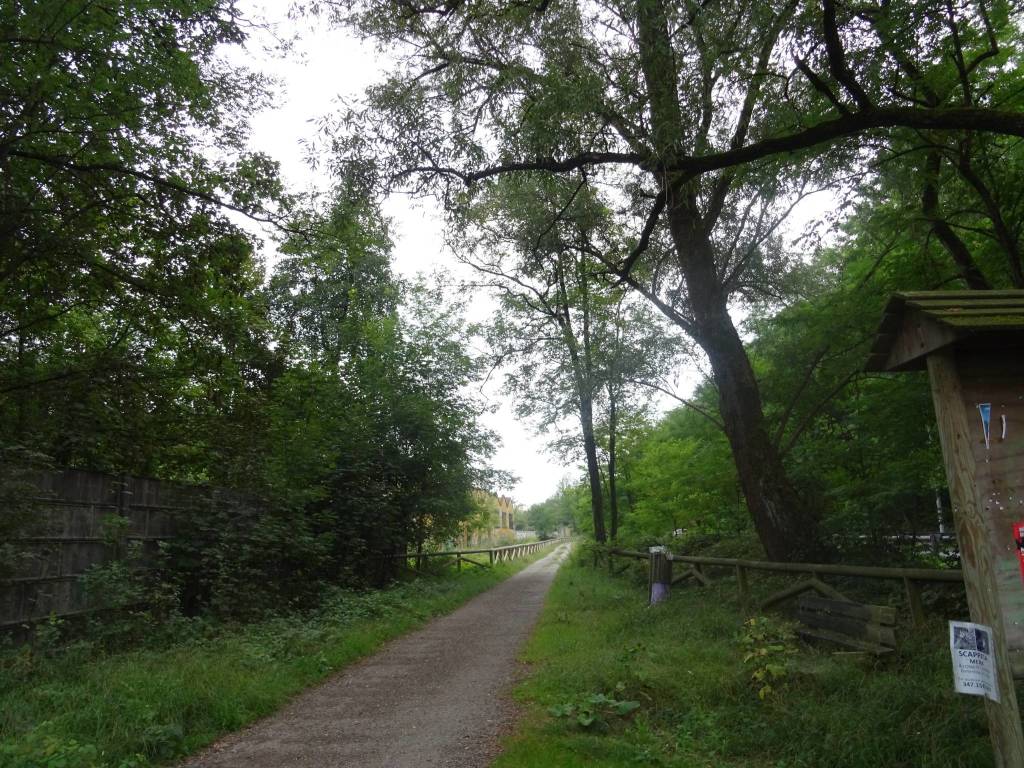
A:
914,601
660,574
741,583
699,576
124,512
490,556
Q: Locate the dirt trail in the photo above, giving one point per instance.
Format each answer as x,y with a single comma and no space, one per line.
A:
436,697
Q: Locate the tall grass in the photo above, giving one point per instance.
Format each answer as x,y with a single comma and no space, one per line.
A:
82,707
683,662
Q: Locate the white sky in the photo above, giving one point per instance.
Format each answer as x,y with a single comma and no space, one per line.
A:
327,65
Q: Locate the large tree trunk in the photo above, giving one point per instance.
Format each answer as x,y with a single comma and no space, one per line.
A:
613,496
582,370
785,528
593,468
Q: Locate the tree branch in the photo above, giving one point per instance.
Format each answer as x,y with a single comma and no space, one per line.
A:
837,58
645,236
688,403
159,181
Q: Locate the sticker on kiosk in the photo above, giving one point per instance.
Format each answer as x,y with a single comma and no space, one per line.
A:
1018,539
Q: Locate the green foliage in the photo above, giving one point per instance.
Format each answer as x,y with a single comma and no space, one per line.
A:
131,322
332,409
547,517
684,664
680,477
595,711
198,679
768,644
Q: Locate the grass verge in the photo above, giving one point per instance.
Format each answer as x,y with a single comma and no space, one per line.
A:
80,708
599,651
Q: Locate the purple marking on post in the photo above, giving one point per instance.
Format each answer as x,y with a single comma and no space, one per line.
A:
658,592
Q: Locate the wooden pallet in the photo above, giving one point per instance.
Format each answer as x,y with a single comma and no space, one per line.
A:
869,628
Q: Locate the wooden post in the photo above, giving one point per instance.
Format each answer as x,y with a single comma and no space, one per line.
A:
914,601
660,578
123,503
490,556
699,576
974,537
741,583
458,562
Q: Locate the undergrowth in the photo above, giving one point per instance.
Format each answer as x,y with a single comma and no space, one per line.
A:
699,670
84,705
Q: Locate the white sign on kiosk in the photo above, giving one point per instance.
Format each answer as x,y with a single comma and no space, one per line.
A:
974,667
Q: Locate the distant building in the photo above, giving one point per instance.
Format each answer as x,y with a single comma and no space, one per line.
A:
495,522
506,514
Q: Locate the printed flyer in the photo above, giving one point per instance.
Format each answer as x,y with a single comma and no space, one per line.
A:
974,665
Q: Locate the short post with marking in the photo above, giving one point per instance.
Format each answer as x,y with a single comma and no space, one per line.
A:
660,574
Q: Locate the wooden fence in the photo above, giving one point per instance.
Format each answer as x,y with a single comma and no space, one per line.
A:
69,530
494,555
912,578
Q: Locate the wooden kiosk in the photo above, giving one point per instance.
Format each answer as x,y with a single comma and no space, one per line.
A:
972,345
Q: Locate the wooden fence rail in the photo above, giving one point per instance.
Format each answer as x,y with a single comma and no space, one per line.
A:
494,554
912,578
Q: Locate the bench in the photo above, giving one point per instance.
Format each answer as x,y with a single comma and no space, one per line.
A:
869,628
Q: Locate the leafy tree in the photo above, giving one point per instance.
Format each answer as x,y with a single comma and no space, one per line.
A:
689,110
137,335
131,329
859,447
550,515
955,186
575,345
372,434
680,477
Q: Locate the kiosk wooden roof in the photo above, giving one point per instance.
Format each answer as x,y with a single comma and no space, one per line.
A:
918,323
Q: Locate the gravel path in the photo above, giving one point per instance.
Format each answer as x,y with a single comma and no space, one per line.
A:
436,697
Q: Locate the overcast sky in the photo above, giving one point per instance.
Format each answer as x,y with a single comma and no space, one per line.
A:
325,66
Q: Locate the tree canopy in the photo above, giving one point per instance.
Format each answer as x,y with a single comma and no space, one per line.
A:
703,125
143,333
625,178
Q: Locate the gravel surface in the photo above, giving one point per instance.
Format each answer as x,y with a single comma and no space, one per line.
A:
436,697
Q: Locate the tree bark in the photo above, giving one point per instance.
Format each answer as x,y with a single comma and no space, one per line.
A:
613,498
582,370
956,247
593,468
786,529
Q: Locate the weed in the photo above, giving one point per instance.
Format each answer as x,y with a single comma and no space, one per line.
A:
596,709
768,644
